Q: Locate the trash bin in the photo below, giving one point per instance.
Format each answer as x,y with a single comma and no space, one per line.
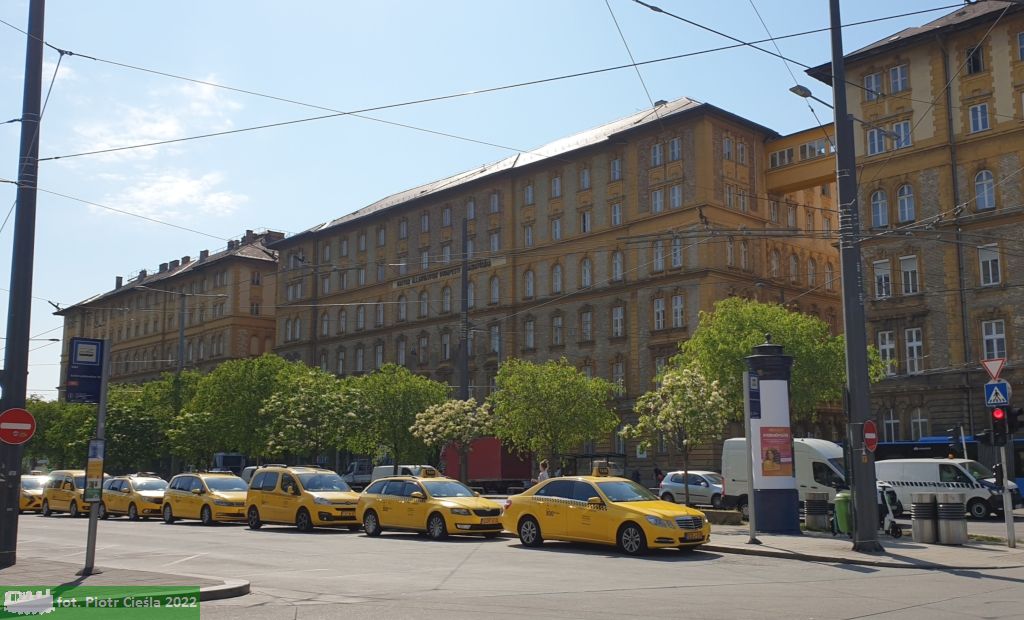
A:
952,518
923,513
816,511
843,520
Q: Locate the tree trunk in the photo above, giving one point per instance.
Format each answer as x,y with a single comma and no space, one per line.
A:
464,462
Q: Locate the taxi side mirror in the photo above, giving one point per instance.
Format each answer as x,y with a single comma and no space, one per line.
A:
595,501
416,495
197,491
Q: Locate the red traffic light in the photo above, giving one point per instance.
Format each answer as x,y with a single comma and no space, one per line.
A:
999,414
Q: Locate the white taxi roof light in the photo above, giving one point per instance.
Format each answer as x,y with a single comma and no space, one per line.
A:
600,470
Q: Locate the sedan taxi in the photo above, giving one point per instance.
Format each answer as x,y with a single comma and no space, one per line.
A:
137,496
210,497
31,498
305,497
602,509
436,505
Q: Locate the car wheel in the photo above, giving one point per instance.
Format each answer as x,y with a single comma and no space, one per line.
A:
667,497
436,527
303,521
632,540
206,515
101,512
716,501
978,508
371,524
133,512
529,532
253,518
74,509
744,510
168,515
46,509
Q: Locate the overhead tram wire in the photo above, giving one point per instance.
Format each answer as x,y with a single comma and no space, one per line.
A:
639,75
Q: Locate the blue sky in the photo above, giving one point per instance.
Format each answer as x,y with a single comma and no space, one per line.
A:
345,56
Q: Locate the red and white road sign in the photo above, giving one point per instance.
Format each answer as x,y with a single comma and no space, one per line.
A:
16,426
870,436
994,366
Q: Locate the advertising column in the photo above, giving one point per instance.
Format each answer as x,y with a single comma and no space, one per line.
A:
775,496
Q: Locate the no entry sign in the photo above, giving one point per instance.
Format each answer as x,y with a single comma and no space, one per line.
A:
870,436
16,426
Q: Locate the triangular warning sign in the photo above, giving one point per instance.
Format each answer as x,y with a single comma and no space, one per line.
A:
994,366
998,397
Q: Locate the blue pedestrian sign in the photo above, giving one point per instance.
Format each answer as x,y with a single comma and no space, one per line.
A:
997,393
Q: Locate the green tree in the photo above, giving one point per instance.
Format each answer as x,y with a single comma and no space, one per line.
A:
685,408
550,408
308,413
385,407
62,433
134,432
458,421
728,335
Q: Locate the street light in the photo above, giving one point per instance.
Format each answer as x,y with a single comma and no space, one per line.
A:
802,91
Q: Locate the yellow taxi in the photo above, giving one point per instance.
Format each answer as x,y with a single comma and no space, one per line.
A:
305,497
136,495
31,498
603,509
211,497
64,493
433,504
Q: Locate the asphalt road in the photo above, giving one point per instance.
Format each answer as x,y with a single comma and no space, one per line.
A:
333,574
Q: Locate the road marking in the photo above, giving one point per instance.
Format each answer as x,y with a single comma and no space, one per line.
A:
191,557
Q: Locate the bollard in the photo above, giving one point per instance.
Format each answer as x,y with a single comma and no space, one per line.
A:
816,512
923,515
952,518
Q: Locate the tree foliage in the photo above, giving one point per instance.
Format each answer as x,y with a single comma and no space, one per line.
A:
309,413
62,432
455,421
550,408
684,405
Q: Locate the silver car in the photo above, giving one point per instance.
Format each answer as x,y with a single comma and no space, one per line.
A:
705,487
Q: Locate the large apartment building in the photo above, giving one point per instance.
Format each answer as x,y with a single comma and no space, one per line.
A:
941,195
225,301
601,247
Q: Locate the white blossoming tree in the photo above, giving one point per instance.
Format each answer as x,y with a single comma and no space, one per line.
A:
457,421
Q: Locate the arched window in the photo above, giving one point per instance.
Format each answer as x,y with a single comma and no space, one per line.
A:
402,309
323,361
794,268
342,321
730,252
424,305
446,299
287,332
586,273
360,317
985,190
775,263
618,265
379,311
830,276
528,284
297,329
495,290
744,255
325,324
341,360
879,209
812,272
471,294
905,202
556,279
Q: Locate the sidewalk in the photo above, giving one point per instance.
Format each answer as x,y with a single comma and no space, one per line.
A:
31,571
899,553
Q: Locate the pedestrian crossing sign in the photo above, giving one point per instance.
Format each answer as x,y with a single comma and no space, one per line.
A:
997,393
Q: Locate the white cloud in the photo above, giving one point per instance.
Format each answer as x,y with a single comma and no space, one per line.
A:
177,196
65,73
133,126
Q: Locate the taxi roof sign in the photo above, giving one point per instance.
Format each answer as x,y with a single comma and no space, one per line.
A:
601,470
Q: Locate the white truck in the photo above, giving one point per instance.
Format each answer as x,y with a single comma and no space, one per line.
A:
974,480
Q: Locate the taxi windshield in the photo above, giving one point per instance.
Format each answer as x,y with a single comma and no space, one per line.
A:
625,491
447,488
152,484
323,482
226,483
31,483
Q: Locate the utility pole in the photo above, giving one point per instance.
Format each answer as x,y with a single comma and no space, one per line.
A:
14,379
464,314
862,463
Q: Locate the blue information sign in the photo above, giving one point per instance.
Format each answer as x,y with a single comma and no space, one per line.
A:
85,370
755,396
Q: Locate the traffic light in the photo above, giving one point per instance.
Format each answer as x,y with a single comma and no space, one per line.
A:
952,439
1013,420
999,417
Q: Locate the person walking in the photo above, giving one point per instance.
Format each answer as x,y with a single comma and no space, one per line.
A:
543,475
658,475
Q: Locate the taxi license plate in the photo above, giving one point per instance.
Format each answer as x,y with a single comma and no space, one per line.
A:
489,521
695,536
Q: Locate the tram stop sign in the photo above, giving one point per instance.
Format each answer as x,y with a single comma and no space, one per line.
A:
870,436
16,426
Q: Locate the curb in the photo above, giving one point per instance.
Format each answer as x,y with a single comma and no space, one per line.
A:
230,588
807,557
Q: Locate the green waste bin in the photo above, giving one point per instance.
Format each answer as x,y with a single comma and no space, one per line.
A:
843,518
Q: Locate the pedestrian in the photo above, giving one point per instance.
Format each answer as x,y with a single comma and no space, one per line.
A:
543,475
658,475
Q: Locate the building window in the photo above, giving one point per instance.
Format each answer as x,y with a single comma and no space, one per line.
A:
985,190
341,361
826,227
741,152
446,216
403,311
362,241
424,305
400,351
381,272
994,339
879,209
359,358
618,266
780,158
343,246
360,317
528,194
918,425
556,187
495,202
325,324
812,272
657,201
424,259
876,142
830,276
677,311
403,228
425,222
470,209
728,196
658,249
908,275
975,59
873,86
494,240
382,235
495,290
342,321
773,211
325,285
556,229
618,321
556,279
675,149
424,350
730,252
586,326
742,200
446,253
677,253
727,148
585,178
586,218
809,220
528,235
794,268
902,138
361,276
619,378
529,329
791,216
556,330
905,203
773,265
586,273
446,299
887,352
915,350
675,196
471,295
528,284
378,355
617,214
659,313
899,79
979,117
616,169
657,155
883,279
470,248
744,255
446,346
988,258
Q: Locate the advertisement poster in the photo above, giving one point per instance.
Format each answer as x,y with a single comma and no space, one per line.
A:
776,451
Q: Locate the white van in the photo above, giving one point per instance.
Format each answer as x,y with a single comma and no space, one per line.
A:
974,480
819,468
383,471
